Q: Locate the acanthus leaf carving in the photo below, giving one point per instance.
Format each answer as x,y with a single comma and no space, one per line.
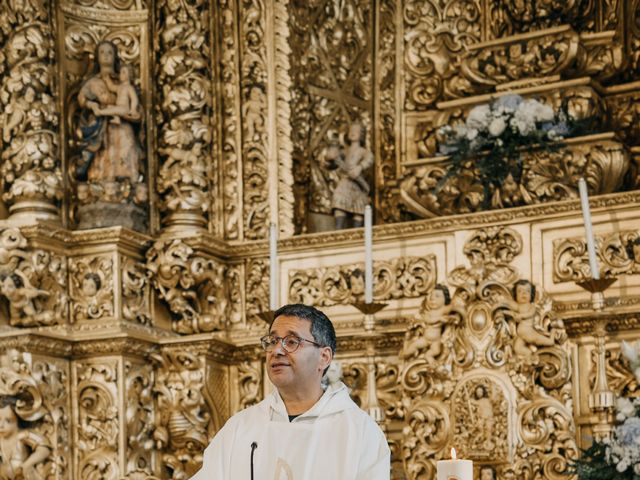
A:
193,286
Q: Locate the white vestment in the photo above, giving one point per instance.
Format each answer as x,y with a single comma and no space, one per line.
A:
334,440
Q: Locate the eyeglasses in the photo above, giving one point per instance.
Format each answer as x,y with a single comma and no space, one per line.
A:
290,343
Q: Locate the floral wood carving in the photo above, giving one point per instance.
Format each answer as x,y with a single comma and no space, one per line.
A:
406,277
486,368
249,383
184,123
36,390
97,425
33,282
135,292
30,147
183,418
139,416
194,287
618,254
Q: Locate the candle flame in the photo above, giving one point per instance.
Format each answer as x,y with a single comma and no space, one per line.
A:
453,453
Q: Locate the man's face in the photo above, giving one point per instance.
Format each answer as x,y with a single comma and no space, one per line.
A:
301,370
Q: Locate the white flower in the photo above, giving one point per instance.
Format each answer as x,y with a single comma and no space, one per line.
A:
479,117
472,133
625,408
497,126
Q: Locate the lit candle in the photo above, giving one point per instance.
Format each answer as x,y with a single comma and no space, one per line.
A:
588,229
454,469
273,267
368,255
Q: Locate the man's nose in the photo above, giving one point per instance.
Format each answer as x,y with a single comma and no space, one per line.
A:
278,349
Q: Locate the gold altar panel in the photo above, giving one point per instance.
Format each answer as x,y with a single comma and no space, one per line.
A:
130,350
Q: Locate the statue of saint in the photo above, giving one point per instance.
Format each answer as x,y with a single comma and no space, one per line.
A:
352,192
109,169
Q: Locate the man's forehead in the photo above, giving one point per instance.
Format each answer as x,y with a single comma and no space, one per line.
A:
290,324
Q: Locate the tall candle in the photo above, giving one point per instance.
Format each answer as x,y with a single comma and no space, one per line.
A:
273,267
588,229
454,469
368,255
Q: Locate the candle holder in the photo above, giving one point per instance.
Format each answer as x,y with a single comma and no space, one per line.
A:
369,310
267,316
597,288
601,398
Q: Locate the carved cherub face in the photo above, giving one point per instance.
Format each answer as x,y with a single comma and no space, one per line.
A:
89,285
8,285
125,74
523,293
436,299
487,474
8,422
355,131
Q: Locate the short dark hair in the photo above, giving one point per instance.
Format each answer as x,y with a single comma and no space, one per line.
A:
322,329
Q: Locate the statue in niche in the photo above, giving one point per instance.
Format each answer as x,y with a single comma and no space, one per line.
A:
428,330
351,194
253,113
111,188
532,329
21,450
481,420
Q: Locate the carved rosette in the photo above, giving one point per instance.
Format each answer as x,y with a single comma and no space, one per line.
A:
97,419
194,287
489,373
616,253
406,277
184,73
33,281
42,387
548,176
30,169
181,432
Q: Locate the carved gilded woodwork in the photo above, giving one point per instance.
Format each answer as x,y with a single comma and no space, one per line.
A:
30,160
34,282
193,286
106,157
498,387
548,176
183,117
97,418
41,387
257,290
407,277
249,383
183,417
231,134
140,415
616,254
332,75
386,137
91,288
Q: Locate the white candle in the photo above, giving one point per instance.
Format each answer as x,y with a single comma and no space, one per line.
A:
368,255
454,469
273,267
588,229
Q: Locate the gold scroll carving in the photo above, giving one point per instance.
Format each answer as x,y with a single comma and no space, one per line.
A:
498,385
407,277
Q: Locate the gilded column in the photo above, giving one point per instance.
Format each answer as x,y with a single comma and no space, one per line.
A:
183,75
30,164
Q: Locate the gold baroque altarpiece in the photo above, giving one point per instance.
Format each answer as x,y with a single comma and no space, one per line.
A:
147,145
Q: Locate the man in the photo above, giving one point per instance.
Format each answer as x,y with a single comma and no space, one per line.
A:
299,432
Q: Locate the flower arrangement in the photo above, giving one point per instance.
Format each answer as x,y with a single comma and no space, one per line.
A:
494,135
618,457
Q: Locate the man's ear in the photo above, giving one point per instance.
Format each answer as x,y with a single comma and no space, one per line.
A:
326,355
